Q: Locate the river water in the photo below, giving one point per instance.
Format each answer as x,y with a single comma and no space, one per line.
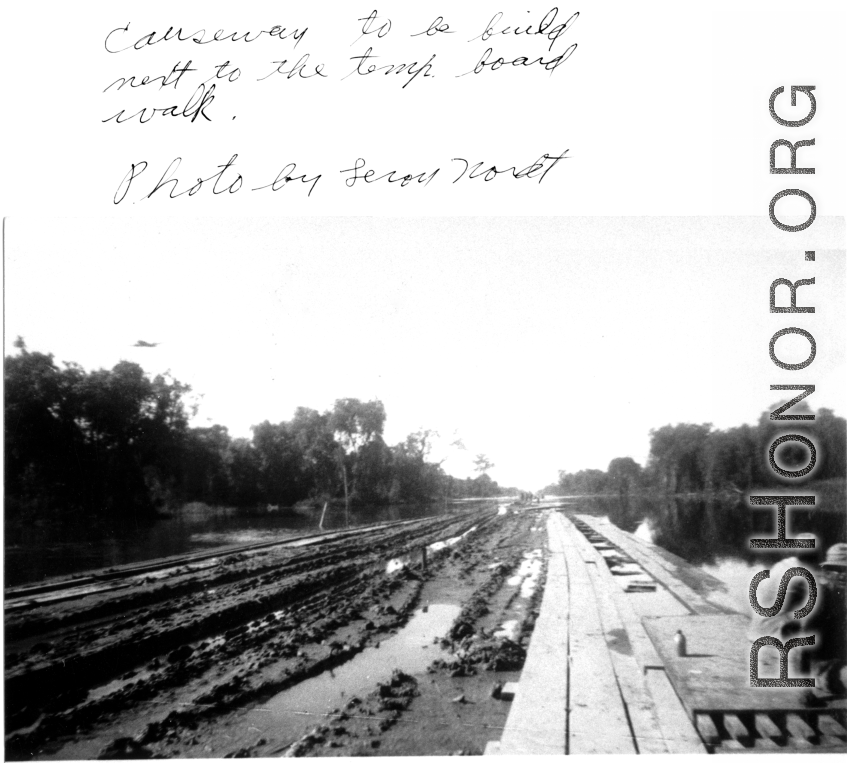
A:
34,552
711,533
714,533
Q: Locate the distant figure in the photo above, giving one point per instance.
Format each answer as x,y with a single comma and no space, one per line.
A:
826,661
832,624
782,625
142,343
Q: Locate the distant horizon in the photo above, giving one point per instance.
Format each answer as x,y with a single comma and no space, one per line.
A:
194,423
546,343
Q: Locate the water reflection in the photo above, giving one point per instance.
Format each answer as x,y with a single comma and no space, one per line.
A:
411,650
713,532
36,551
644,531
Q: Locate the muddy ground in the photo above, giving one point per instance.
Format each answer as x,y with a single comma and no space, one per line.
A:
350,647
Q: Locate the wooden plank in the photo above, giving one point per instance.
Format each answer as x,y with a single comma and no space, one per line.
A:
652,563
712,589
799,743
680,736
658,603
639,702
595,701
537,719
677,732
492,748
736,728
700,592
664,601
655,602
798,728
767,728
716,673
639,586
828,725
708,731
642,647
575,538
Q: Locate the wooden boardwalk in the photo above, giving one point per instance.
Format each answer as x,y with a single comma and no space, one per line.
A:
584,688
602,674
542,698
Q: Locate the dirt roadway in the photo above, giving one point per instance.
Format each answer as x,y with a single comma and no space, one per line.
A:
349,648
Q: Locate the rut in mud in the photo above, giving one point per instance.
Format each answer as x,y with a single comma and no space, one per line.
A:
350,647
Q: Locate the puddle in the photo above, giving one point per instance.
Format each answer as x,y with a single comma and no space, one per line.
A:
119,684
502,511
397,564
238,537
439,545
412,650
527,575
509,630
644,532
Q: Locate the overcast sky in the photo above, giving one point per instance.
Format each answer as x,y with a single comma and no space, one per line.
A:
545,343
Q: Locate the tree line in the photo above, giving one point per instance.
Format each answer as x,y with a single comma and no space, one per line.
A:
118,442
697,458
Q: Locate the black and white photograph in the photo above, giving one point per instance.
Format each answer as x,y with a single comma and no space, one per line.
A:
412,380
360,486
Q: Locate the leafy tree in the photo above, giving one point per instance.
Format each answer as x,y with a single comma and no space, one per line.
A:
245,473
315,440
584,482
481,486
354,424
108,440
676,456
832,434
373,470
117,441
205,475
282,472
697,458
624,474
414,478
40,432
